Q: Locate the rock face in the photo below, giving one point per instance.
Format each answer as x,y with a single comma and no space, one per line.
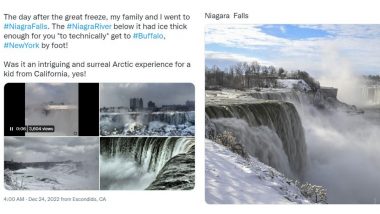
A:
329,92
326,98
177,174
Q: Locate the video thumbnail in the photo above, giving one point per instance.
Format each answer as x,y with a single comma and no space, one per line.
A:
51,109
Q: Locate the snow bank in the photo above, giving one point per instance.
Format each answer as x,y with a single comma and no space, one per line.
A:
230,179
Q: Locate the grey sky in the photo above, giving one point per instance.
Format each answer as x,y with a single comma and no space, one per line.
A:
39,93
36,149
115,94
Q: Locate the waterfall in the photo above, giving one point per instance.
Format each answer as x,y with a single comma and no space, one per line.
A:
299,99
148,123
261,142
372,94
150,153
269,123
133,163
172,118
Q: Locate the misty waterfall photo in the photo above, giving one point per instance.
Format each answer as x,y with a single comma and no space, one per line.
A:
292,114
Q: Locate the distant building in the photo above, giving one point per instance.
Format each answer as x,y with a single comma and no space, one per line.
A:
174,108
122,109
136,104
190,104
151,105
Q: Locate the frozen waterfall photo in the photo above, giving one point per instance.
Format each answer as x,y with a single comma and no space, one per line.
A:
51,163
147,109
292,114
147,163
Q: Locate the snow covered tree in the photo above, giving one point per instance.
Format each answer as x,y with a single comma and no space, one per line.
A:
315,193
281,73
228,140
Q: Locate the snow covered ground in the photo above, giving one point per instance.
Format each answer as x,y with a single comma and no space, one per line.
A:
65,176
294,83
230,179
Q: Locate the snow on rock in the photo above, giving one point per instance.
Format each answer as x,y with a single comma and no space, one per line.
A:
294,83
230,179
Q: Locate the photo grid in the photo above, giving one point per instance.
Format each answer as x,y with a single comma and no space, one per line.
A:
91,136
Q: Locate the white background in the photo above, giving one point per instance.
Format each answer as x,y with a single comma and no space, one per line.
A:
181,46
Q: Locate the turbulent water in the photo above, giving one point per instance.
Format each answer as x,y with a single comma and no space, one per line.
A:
271,131
134,163
148,123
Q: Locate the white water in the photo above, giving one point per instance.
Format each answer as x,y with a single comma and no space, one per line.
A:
123,173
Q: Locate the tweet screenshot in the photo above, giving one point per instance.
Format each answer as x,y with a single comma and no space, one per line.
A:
191,107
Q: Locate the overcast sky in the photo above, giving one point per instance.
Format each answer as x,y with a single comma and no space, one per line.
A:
114,94
38,93
36,149
315,48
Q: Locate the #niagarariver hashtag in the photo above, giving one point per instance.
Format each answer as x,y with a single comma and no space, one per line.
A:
5,26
